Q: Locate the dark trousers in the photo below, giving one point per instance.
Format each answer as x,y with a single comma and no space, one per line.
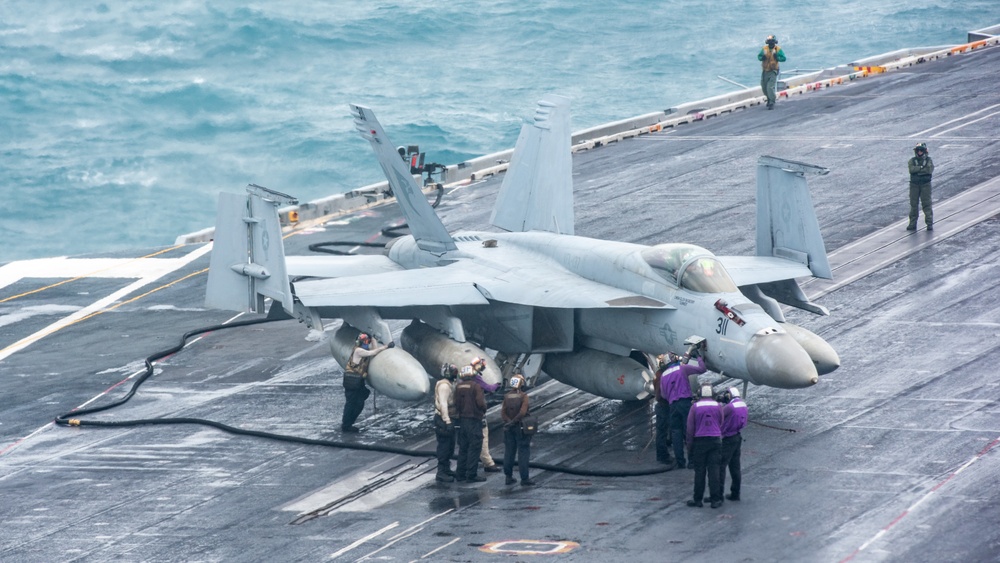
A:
662,412
920,196
353,405
516,443
678,426
445,444
730,457
470,442
705,457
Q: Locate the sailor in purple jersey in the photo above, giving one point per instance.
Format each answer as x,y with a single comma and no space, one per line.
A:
675,387
704,439
734,419
661,410
675,382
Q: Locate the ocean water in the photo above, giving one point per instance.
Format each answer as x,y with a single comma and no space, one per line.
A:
121,121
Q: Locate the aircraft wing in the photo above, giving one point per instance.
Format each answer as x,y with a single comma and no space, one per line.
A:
750,270
340,266
546,287
406,288
468,284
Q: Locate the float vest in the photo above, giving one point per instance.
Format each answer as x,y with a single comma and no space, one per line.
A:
360,368
770,61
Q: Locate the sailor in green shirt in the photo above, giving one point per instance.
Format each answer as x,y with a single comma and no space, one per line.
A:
770,55
921,170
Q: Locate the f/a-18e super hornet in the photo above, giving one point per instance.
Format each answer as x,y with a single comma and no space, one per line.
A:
534,288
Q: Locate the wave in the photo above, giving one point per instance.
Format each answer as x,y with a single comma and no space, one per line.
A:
122,121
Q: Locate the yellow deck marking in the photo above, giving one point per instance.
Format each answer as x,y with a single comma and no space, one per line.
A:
147,270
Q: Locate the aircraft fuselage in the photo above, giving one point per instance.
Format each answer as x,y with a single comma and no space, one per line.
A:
742,340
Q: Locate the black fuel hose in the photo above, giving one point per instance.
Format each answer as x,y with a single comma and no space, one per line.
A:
65,420
772,427
388,232
325,247
73,418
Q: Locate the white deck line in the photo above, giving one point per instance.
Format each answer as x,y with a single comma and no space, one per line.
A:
148,270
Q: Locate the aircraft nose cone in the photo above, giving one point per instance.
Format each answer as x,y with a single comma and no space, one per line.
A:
777,360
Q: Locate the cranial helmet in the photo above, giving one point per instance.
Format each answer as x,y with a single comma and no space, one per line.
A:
478,364
516,381
771,39
364,338
734,392
706,391
450,371
921,147
467,371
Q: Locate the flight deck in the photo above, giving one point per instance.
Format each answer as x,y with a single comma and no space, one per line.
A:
893,457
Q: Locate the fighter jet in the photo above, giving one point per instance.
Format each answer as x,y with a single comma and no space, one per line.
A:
532,287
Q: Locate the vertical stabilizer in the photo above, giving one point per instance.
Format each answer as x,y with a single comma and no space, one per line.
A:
786,221
426,226
537,190
248,255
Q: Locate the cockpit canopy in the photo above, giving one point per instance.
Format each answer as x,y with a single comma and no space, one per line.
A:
699,270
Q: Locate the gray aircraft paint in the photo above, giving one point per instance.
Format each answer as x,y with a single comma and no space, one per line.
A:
537,288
